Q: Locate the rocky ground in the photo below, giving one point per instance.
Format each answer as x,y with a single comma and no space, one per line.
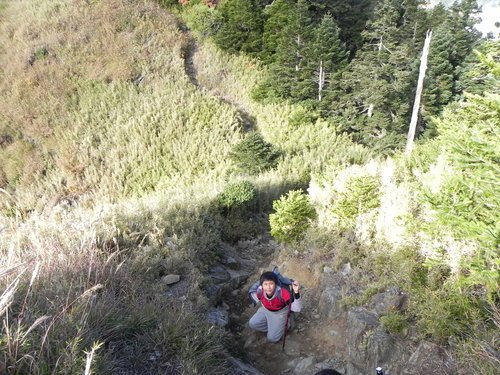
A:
325,334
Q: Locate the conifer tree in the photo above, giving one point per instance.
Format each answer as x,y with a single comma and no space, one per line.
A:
326,57
439,81
242,26
379,81
453,40
287,34
350,16
277,21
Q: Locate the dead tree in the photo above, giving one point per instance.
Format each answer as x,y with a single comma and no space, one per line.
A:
420,86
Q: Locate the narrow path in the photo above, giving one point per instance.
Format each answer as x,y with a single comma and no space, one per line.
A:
189,50
304,342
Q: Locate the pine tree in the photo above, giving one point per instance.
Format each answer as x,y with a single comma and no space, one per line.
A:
242,27
287,34
277,22
439,81
350,16
379,81
326,58
462,19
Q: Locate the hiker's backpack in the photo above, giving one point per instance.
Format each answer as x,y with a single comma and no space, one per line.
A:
283,282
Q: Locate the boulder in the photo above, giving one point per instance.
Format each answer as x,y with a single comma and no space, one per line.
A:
231,263
429,358
239,367
218,317
304,365
329,303
219,274
391,300
171,279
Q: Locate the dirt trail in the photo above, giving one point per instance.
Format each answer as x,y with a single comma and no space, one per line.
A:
189,50
305,340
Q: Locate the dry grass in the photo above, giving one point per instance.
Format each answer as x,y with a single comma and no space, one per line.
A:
50,47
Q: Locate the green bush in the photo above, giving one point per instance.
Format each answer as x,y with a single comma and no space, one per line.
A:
237,194
361,194
203,20
254,155
394,322
293,216
444,313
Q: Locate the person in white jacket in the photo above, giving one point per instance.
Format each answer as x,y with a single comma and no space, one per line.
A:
276,305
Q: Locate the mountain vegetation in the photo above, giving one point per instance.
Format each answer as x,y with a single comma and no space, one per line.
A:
117,171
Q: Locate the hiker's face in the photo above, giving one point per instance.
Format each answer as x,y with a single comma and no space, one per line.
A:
269,286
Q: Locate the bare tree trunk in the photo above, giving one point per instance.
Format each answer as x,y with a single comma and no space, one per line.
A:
299,57
420,86
321,80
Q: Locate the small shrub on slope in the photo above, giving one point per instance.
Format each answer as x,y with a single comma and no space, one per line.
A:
293,216
254,155
361,194
237,195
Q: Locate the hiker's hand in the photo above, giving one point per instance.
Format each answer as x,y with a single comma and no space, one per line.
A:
296,287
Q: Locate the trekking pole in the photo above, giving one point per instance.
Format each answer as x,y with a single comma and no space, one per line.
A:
286,325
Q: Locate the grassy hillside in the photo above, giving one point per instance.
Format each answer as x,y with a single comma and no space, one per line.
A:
117,168
111,165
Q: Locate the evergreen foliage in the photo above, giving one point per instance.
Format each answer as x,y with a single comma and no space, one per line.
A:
106,124
254,155
378,82
241,26
361,194
326,59
237,194
468,202
479,71
292,217
439,78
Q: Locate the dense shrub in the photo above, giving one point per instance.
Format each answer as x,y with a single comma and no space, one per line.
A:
361,194
394,322
254,155
293,216
237,195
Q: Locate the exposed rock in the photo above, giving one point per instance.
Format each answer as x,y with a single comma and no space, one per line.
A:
218,317
336,364
329,303
219,274
304,365
429,358
214,293
391,300
361,324
231,262
171,279
346,269
245,244
237,278
240,368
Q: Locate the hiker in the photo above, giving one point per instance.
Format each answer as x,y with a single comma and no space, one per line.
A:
276,305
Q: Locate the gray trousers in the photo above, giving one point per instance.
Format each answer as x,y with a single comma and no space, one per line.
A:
272,322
